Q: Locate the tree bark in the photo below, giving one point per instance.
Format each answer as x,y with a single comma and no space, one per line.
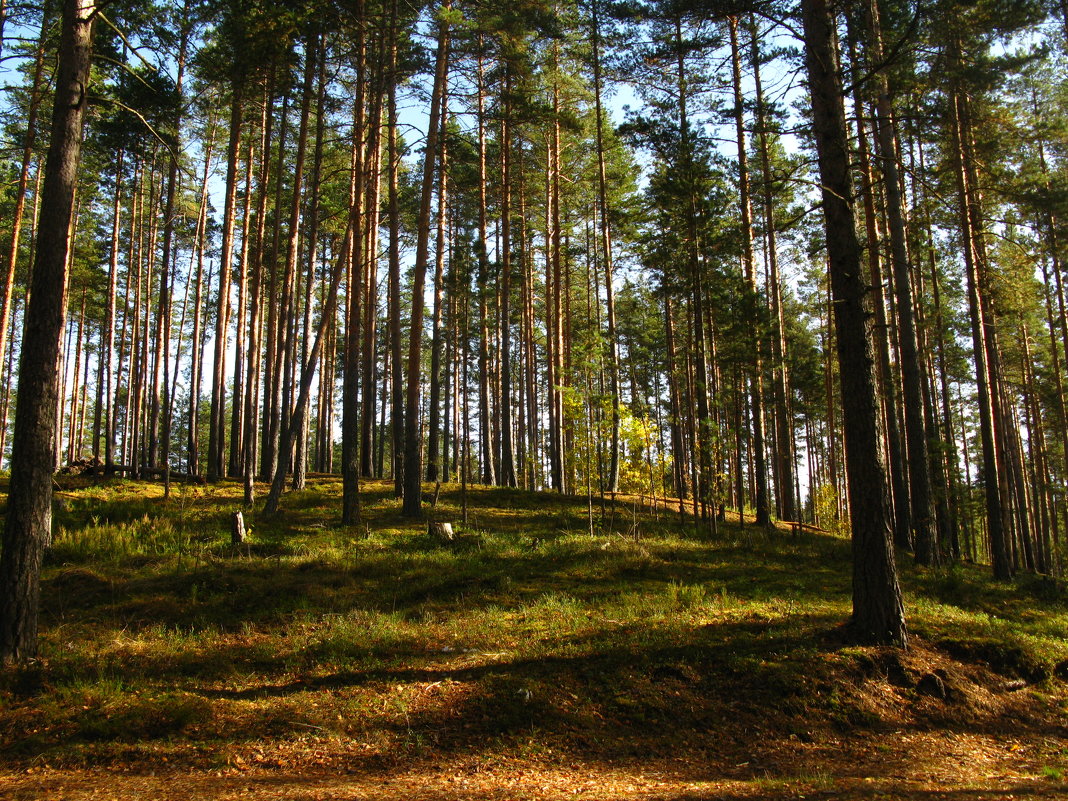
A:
350,387
920,497
984,345
396,374
606,245
29,141
217,426
433,444
294,422
756,386
889,405
369,290
507,460
878,610
413,469
784,426
485,446
29,512
287,315
197,340
272,358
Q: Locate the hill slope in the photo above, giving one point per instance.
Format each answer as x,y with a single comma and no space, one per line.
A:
529,659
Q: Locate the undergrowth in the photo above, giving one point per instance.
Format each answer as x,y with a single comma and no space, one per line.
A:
161,638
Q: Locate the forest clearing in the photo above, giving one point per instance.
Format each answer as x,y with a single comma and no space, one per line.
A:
528,659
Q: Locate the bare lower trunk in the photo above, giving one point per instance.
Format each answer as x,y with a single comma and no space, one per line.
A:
217,427
920,496
878,611
29,512
413,468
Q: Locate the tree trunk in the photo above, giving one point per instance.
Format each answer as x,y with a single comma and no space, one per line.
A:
920,497
239,406
350,387
507,461
433,443
217,426
878,611
983,346
29,141
784,427
300,461
606,245
29,511
253,359
413,469
396,374
897,468
287,315
369,292
756,387
482,248
294,422
197,341
72,426
272,359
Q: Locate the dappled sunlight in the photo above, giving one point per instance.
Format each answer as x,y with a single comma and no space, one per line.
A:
314,651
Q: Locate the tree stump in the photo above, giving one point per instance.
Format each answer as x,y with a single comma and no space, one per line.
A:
237,529
441,531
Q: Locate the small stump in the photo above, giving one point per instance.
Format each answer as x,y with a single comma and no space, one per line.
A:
442,532
237,529
931,684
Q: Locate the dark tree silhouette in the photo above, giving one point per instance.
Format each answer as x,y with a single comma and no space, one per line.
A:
878,611
29,511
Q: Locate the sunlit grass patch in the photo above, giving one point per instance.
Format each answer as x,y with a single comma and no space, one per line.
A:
529,635
100,541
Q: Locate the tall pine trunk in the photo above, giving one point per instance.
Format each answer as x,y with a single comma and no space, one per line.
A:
784,427
29,510
984,346
413,469
878,611
217,425
350,387
433,443
756,385
920,494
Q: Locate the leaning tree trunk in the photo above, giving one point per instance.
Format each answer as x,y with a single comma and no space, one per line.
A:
29,513
878,612
287,313
293,425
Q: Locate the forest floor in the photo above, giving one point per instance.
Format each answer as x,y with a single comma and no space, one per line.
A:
530,659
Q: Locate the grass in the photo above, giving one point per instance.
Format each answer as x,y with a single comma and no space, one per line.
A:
531,638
